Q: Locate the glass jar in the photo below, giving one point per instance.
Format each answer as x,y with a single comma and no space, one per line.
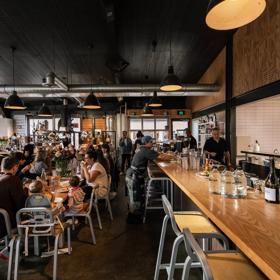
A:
228,186
214,181
240,182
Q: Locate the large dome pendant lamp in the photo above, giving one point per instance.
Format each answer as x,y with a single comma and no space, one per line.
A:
155,101
231,14
13,102
171,82
91,102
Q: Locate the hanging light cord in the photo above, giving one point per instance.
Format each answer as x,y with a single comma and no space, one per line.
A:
53,53
13,65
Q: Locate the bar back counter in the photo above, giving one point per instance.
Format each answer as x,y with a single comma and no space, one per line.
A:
251,223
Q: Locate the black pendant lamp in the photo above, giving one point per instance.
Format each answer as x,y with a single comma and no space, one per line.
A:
91,102
147,111
171,82
13,102
231,14
44,111
155,101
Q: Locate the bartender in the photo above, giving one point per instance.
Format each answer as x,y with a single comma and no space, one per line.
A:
190,142
217,148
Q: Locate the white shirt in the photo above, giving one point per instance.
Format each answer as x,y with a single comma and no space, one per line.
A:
102,178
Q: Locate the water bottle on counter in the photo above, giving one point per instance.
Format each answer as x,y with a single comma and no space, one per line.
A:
228,187
240,182
214,181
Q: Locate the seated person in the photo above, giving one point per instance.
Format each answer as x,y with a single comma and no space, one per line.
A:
75,197
35,169
37,196
95,174
12,194
20,158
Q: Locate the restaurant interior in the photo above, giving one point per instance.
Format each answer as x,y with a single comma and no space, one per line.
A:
140,139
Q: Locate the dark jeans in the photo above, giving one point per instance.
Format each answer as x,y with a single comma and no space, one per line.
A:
124,158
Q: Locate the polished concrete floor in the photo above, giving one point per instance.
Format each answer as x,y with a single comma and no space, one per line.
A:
123,251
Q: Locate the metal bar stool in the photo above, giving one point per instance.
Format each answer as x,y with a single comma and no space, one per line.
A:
230,265
199,225
156,175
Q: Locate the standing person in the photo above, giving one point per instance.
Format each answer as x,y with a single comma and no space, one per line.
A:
217,148
138,142
190,142
126,149
12,195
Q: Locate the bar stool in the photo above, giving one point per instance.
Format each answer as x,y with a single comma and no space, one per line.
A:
200,226
229,265
152,195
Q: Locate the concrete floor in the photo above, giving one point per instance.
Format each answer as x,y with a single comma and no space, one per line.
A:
122,252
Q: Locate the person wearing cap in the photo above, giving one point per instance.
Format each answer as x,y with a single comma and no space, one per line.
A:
140,159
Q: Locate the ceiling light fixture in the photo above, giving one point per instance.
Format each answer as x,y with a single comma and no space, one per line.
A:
147,111
231,14
13,102
44,111
171,82
155,101
91,102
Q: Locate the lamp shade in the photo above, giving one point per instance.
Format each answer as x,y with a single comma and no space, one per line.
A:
171,82
44,111
91,102
231,14
13,102
155,101
147,111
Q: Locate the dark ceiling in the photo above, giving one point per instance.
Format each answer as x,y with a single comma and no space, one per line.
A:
118,30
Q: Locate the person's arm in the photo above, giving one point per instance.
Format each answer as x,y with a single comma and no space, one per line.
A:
90,176
227,156
206,149
121,142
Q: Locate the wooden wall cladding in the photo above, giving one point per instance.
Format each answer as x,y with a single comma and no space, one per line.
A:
100,124
87,124
256,51
214,74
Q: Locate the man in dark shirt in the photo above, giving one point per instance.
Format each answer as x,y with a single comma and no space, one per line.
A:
217,148
28,148
190,142
12,195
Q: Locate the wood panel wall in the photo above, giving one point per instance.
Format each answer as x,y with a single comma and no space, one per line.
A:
214,74
256,47
87,124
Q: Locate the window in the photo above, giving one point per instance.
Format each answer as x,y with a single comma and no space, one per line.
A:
155,127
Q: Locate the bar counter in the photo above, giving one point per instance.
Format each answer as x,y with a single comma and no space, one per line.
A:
251,223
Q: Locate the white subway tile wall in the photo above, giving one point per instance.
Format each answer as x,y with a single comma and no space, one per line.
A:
259,121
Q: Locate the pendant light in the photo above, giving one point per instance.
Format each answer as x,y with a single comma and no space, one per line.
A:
147,111
171,82
231,14
13,102
91,101
155,101
44,111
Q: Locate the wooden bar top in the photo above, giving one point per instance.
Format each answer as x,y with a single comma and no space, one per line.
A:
251,223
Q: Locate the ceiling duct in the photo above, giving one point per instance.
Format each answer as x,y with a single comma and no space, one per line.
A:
51,81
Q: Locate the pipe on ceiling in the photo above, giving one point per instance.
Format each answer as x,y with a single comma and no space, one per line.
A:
118,88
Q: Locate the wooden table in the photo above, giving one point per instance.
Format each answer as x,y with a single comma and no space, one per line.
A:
251,223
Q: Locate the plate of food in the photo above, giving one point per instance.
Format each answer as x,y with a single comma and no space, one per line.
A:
62,189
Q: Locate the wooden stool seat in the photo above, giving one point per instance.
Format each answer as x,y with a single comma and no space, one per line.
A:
233,266
195,222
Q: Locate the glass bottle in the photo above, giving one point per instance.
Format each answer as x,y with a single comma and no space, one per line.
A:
271,187
214,181
228,187
240,182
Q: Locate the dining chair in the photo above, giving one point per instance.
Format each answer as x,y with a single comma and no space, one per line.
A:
199,225
222,264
